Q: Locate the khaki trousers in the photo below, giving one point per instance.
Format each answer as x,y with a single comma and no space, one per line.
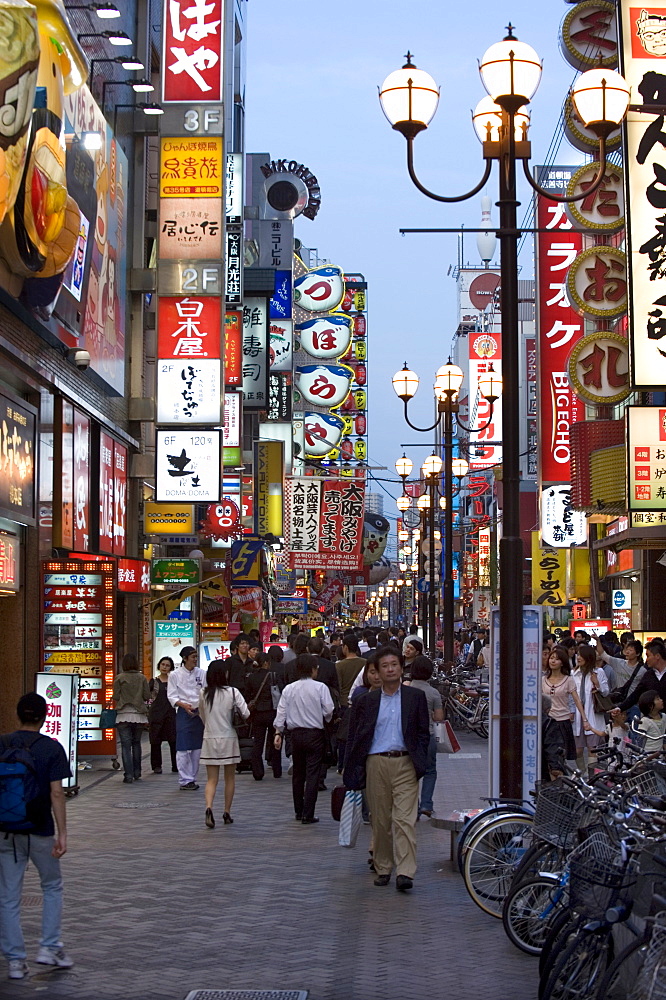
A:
393,798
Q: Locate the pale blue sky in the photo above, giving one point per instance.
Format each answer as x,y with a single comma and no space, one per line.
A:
312,75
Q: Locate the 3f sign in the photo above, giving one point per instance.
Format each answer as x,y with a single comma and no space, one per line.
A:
202,120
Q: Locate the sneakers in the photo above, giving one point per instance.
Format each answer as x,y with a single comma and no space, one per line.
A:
191,786
54,956
18,969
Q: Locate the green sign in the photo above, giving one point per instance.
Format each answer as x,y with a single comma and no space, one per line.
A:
167,572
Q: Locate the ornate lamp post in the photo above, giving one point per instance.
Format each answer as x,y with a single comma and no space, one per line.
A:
510,71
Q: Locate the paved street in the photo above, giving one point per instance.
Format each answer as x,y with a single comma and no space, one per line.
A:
157,905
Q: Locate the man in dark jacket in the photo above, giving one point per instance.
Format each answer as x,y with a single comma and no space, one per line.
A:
239,664
387,751
328,675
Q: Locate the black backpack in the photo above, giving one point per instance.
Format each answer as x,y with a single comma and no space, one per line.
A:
19,788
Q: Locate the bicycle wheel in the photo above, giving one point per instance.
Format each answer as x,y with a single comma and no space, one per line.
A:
621,974
529,910
562,931
471,828
580,968
491,858
539,858
482,722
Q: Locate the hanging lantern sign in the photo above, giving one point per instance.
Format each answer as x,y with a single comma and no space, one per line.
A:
588,32
603,210
322,433
597,282
324,385
320,290
599,368
327,338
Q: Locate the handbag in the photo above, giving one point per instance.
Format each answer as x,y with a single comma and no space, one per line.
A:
337,800
351,818
107,719
621,693
276,694
445,738
252,704
237,720
602,702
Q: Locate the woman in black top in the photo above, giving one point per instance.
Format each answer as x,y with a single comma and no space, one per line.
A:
161,718
260,702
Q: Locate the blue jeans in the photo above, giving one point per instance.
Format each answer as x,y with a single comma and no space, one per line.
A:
429,778
16,849
130,734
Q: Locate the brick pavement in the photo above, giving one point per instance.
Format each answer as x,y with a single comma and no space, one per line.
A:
157,905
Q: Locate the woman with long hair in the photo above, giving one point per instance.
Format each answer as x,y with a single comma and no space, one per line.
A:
220,743
131,694
560,686
589,677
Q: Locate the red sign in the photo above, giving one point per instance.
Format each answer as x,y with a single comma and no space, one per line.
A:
119,498
233,335
329,594
134,576
81,482
9,563
105,492
560,329
188,327
193,56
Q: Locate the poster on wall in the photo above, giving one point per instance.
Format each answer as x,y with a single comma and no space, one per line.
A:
324,523
17,459
169,638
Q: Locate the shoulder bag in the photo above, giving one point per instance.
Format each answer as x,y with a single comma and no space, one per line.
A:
252,704
107,719
621,693
276,694
237,720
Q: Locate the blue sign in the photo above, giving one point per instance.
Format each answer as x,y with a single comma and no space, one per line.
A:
422,585
279,306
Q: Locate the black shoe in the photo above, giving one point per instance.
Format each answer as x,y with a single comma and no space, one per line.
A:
298,818
322,786
227,818
157,770
174,770
128,781
137,777
210,819
260,778
277,775
191,786
404,883
382,880
313,819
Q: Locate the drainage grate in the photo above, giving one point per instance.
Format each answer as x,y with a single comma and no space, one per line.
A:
143,805
247,995
31,901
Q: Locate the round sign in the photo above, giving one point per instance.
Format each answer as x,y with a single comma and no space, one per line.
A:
597,282
620,598
599,368
326,338
324,385
588,31
482,291
485,346
320,290
322,432
582,137
603,210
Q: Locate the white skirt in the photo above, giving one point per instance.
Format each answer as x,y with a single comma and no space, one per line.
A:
220,750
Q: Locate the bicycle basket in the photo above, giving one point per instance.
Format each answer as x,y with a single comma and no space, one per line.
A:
651,877
599,877
646,782
651,980
559,814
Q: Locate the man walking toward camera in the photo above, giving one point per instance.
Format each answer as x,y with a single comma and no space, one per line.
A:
32,768
387,754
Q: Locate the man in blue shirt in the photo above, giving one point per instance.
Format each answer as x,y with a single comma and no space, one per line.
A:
387,749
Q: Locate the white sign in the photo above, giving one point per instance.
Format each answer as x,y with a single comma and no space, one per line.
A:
169,638
561,525
324,385
254,350
233,189
621,600
531,660
80,618
481,606
232,410
301,529
209,651
646,458
188,392
61,692
326,338
321,432
281,344
320,290
643,62
188,466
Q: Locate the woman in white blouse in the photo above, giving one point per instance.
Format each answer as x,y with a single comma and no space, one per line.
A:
588,678
220,742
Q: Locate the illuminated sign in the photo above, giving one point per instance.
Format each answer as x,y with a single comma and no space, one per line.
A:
233,189
280,345
168,519
320,290
188,391
190,229
169,638
61,694
232,420
17,459
324,385
180,572
10,561
324,523
327,338
646,457
233,336
561,525
191,167
254,354
134,576
193,51
188,466
188,328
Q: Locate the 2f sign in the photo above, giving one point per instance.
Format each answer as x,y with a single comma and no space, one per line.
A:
203,120
204,279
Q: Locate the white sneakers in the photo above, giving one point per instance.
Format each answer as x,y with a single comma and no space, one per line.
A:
55,956
18,969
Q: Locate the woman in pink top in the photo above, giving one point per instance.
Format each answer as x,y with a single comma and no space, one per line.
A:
559,685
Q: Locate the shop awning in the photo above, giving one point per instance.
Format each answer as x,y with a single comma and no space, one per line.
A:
634,538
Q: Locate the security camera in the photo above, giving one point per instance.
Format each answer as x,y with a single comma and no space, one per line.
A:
285,196
81,359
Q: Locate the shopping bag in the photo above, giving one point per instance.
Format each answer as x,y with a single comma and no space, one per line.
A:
445,738
107,719
350,819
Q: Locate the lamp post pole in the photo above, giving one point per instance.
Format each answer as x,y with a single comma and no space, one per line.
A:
447,591
432,592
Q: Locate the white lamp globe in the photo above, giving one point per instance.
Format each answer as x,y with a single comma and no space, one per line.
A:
510,71
409,99
487,121
601,98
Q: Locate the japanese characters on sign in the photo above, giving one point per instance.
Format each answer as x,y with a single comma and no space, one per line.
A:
280,304
246,561
254,352
168,519
106,501
561,525
188,466
322,433
279,396
646,457
134,576
324,524
233,337
10,561
599,368
281,345
233,272
484,561
327,338
188,327
191,167
190,229
484,451
62,706
174,572
17,459
232,419
320,290
603,209
119,498
644,68
81,481
188,391
170,637
588,33
548,574
560,328
193,51
532,631
325,385
233,189
597,282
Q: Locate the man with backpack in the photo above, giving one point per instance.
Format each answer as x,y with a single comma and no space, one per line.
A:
32,768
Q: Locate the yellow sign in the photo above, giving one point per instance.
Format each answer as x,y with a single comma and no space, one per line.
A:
70,656
548,574
268,477
85,671
168,519
191,168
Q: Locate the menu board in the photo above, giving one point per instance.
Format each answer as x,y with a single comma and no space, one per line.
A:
78,637
61,694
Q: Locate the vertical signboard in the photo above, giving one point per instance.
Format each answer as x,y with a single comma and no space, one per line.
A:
106,443
560,327
193,51
549,585
642,48
119,499
81,482
17,459
484,451
254,354
268,485
646,458
531,660
324,524
233,337
61,694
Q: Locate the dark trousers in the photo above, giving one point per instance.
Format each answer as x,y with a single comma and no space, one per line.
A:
130,743
263,735
159,733
307,750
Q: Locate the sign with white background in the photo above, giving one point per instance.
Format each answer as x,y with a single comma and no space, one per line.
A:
187,466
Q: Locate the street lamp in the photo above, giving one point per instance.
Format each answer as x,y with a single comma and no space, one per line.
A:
403,503
510,72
